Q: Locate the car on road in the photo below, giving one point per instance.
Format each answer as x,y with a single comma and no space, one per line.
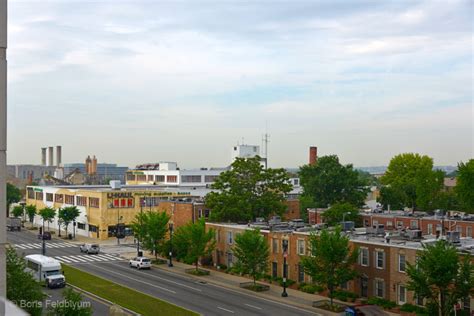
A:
140,263
90,248
45,236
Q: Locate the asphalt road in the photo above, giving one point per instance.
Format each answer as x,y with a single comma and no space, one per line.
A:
206,299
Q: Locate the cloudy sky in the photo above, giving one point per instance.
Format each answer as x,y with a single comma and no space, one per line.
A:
144,81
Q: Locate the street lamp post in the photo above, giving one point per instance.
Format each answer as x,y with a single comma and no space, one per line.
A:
118,224
43,245
141,226
59,227
170,264
285,270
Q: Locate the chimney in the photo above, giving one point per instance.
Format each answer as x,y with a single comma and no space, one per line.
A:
94,165
50,156
43,156
88,165
313,155
58,156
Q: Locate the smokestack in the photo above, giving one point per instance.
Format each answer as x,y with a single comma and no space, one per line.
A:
94,165
43,156
88,165
313,155
50,156
58,156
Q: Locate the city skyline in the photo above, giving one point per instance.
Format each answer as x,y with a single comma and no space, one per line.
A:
147,82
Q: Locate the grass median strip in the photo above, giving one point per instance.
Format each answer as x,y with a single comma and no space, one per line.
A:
136,301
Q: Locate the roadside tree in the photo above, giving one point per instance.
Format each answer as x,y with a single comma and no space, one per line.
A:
328,182
13,195
18,211
22,288
193,242
465,185
67,215
252,251
247,191
151,228
47,215
331,260
31,212
442,276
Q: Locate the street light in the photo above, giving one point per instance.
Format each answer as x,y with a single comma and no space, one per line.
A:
170,264
43,245
285,270
141,227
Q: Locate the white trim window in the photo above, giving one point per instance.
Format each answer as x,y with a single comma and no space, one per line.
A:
401,263
364,257
379,288
469,231
379,259
430,229
230,238
402,294
301,247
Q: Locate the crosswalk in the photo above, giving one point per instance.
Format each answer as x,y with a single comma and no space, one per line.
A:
87,258
48,245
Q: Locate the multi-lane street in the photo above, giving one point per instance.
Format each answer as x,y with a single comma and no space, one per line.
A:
207,299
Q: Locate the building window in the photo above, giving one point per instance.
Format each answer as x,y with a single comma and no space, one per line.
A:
389,224
81,226
130,177
419,300
400,224
59,198
274,269
275,245
364,257
401,263
402,295
459,229
379,288
150,177
49,197
301,247
93,228
230,236
39,196
209,179
230,259
469,231
141,177
94,202
287,248
300,273
160,178
69,199
379,259
172,179
414,224
191,179
30,193
81,200
375,222
430,229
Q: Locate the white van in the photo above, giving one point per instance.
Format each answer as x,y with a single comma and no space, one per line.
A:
45,269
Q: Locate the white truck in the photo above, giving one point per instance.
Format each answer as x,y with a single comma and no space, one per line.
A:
45,269
13,223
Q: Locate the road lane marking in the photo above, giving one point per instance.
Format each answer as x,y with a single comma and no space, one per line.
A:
134,279
80,259
170,281
63,259
224,309
253,306
20,246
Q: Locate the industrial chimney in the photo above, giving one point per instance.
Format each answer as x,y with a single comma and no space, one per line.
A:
50,156
88,165
58,156
313,155
94,165
43,156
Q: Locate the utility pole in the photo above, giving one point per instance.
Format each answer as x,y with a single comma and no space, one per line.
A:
265,145
3,153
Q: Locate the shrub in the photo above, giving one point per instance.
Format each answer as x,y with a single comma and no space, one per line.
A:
222,267
345,296
413,309
386,304
311,288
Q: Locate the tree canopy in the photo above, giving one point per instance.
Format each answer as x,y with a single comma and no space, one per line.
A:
328,182
31,212
192,242
336,213
13,195
151,229
68,214
331,260
18,211
252,251
441,276
21,286
247,191
47,214
465,185
412,181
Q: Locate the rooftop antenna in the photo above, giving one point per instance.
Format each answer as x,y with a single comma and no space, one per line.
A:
266,141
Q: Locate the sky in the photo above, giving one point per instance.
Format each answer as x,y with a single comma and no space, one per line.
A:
146,81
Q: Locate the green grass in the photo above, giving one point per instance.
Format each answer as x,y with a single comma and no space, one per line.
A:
136,301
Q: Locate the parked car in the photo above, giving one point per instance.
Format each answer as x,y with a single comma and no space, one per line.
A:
140,263
45,236
90,248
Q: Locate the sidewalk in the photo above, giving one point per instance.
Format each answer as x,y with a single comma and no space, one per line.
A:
295,298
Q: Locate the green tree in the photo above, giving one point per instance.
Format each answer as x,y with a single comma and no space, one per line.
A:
336,213
193,242
47,215
465,185
151,228
331,260
13,195
252,251
247,191
305,203
392,197
18,211
71,305
21,286
31,212
328,182
67,215
411,177
441,276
